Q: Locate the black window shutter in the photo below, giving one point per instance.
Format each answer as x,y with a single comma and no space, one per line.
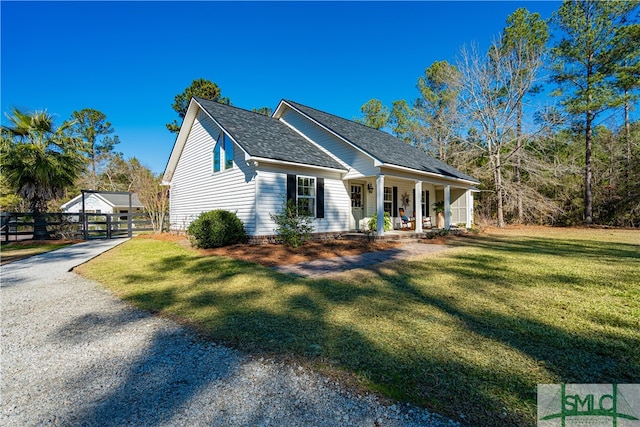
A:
426,203
319,197
414,201
395,202
291,187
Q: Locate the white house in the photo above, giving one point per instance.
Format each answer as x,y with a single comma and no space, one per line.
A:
106,203
338,170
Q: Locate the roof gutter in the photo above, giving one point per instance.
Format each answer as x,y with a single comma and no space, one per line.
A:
258,160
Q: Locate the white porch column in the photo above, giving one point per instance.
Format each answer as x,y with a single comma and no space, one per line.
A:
447,207
469,205
380,205
418,212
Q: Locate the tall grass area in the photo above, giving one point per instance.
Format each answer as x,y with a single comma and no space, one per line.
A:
467,332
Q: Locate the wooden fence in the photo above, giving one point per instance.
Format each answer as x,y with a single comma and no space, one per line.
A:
16,226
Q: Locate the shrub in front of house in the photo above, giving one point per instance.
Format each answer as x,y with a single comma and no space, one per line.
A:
293,228
216,228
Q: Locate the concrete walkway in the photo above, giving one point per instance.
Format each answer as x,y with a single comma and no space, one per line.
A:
329,266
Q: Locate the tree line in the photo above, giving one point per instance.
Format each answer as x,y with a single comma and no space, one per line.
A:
575,161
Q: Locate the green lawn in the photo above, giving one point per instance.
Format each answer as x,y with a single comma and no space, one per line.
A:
467,332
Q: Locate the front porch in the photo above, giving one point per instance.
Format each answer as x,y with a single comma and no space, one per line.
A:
413,203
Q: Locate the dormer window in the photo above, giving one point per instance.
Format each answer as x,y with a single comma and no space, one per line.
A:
223,153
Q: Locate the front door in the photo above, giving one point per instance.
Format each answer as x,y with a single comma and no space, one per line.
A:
357,205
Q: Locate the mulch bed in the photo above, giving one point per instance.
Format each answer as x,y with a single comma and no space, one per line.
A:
271,255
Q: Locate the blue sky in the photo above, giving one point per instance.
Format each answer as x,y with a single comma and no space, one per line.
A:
129,59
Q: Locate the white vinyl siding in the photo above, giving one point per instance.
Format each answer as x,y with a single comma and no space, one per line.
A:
459,209
403,186
359,164
91,204
196,189
458,206
271,192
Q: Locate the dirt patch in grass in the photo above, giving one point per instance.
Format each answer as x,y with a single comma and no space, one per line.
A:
271,255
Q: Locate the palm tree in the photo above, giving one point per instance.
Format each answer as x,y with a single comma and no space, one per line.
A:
39,160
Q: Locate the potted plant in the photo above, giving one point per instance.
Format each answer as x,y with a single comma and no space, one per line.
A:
438,207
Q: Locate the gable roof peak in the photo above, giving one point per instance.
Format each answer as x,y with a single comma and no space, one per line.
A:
209,102
294,103
265,137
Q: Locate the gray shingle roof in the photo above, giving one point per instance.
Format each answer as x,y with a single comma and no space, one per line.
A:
122,199
266,137
380,145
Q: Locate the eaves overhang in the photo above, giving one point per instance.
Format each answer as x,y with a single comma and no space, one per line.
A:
429,174
259,160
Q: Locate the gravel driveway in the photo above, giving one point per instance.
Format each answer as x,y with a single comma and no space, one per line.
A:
73,354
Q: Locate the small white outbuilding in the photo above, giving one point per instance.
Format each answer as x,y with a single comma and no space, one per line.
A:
106,203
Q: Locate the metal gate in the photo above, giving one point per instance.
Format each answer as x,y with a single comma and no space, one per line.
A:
106,226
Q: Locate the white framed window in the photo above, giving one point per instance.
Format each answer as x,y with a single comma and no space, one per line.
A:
223,153
216,157
388,200
228,152
306,196
356,196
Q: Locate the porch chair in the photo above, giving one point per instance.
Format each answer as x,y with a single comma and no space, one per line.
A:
404,220
426,222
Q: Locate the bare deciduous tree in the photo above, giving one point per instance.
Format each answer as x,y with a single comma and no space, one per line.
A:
492,87
153,196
